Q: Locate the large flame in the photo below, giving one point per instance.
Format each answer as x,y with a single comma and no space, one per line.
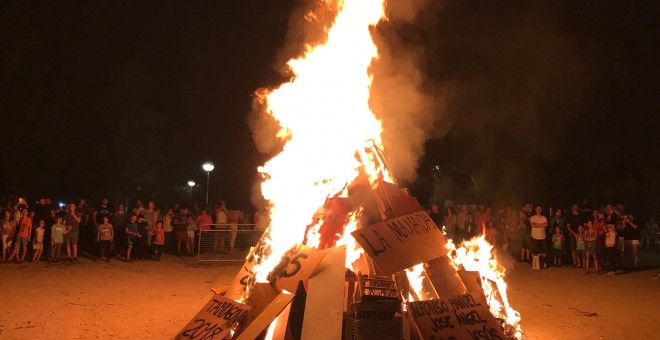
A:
331,136
326,121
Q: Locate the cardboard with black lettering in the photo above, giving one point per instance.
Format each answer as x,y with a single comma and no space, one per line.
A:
219,316
297,264
245,277
464,316
402,242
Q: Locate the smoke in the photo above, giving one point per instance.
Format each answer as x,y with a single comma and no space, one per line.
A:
410,106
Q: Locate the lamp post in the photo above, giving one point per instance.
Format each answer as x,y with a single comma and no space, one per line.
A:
208,167
191,184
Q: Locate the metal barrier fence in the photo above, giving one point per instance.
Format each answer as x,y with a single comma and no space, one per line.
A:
226,242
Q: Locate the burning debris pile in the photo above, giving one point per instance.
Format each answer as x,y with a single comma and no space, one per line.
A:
348,254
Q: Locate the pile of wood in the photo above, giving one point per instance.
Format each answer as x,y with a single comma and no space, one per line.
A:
311,294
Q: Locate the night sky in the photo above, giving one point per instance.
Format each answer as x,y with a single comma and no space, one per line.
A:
544,101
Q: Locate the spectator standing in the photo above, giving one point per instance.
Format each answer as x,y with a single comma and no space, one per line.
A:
43,212
234,217
104,237
539,224
461,223
435,215
131,235
72,221
524,237
8,232
450,222
158,240
610,252
591,246
180,224
119,222
204,222
57,239
150,216
23,233
557,245
191,230
557,219
573,222
649,234
221,224
137,210
87,228
168,230
38,242
631,236
141,249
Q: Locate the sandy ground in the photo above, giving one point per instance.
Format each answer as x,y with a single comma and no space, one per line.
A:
149,300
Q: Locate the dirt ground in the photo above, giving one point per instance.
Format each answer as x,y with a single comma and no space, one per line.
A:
154,300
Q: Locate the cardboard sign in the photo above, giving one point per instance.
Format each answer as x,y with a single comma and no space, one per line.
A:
464,316
402,242
297,264
237,290
324,304
215,320
264,318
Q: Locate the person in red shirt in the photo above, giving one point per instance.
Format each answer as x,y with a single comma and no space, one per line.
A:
23,233
158,239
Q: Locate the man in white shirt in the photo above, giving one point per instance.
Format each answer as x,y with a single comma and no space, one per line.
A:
539,223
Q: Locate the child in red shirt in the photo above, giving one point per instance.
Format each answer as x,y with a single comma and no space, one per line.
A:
158,235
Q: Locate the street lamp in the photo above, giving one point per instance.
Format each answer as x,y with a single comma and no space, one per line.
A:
191,184
208,167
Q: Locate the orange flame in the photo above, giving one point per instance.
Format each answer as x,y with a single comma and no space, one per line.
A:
479,255
326,121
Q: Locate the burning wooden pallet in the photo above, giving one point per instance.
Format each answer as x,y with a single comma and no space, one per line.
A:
311,295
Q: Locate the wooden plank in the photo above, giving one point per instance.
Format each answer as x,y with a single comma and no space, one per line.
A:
465,316
404,205
260,298
402,242
472,281
444,278
215,320
324,307
263,320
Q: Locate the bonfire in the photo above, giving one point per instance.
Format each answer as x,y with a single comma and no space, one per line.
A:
347,253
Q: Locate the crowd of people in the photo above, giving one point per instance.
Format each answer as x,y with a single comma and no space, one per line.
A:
607,238
43,231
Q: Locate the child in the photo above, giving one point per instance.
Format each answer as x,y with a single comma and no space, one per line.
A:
610,248
131,235
591,246
57,232
579,247
105,236
38,243
158,236
23,233
557,246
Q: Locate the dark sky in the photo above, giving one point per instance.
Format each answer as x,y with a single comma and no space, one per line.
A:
545,100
